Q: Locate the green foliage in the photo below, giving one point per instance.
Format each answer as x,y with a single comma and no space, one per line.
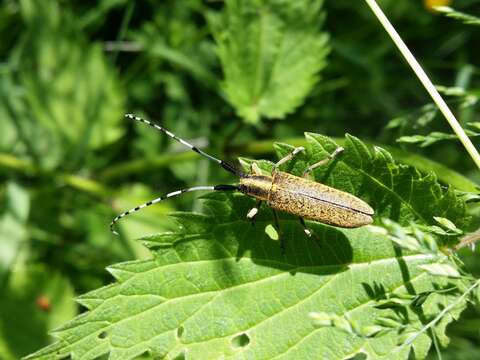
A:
69,163
431,138
67,100
12,225
426,140
271,53
180,41
217,279
463,99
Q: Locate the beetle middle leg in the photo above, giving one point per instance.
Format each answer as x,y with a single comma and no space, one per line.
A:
307,231
280,235
322,162
287,158
254,211
254,169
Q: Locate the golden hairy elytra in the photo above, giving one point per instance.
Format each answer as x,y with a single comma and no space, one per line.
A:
285,192
308,199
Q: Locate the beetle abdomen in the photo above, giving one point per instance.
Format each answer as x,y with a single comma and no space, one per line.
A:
318,202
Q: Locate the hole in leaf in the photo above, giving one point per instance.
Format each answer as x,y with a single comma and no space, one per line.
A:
271,232
102,335
180,331
240,341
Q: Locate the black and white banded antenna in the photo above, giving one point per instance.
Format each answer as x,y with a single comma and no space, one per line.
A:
230,168
169,195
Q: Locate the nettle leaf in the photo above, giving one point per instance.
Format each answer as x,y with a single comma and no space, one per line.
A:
220,287
271,53
68,98
13,229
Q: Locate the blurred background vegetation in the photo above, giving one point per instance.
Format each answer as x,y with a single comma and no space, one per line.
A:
69,161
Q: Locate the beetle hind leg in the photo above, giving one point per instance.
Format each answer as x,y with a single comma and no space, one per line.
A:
287,158
322,162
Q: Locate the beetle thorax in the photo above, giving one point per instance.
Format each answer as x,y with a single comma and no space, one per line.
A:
257,186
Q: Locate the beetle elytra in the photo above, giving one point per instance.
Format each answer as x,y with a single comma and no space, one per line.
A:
296,195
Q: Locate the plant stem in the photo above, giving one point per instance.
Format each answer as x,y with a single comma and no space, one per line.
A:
127,16
255,148
76,182
264,147
85,185
142,165
412,338
12,162
425,80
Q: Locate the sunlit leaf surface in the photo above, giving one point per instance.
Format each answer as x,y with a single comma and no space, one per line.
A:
221,287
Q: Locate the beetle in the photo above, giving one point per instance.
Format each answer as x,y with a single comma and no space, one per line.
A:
282,191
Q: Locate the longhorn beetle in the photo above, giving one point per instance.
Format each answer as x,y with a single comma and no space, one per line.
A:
281,191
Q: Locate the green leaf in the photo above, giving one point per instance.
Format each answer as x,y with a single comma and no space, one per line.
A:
219,286
271,53
432,138
441,270
448,225
396,191
13,226
175,35
62,98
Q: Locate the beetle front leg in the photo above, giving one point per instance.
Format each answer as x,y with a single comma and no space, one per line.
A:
322,162
287,158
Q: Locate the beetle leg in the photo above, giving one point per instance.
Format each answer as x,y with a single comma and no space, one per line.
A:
254,169
307,231
253,212
322,162
277,227
287,158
